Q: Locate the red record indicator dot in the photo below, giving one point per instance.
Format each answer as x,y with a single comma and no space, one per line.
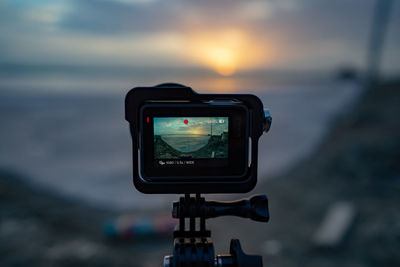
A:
185,121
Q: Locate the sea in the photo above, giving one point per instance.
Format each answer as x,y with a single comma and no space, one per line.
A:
64,130
186,144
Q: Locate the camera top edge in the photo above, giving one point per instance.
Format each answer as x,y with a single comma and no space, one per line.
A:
174,92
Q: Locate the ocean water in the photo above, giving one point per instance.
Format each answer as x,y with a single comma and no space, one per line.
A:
76,142
186,144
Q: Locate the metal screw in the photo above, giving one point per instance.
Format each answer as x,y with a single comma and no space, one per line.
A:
168,261
267,120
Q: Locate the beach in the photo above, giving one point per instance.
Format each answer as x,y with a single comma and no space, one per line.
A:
78,145
44,229
327,74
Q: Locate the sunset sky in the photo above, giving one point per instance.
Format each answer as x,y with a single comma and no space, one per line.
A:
190,126
226,37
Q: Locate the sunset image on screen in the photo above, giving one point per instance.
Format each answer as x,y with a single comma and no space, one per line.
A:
190,137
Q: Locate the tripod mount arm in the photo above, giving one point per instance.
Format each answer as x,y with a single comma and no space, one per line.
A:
194,247
254,208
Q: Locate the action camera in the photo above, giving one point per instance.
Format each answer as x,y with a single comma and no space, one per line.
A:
185,142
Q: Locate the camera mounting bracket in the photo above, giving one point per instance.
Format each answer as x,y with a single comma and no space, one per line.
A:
194,247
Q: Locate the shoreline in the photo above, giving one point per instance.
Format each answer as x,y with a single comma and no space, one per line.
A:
356,162
80,146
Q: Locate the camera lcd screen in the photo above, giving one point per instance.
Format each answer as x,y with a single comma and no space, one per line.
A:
191,137
193,142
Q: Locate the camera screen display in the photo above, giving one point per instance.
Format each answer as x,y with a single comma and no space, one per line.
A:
191,142
190,137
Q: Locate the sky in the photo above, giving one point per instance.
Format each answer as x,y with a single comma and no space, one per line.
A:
225,37
190,125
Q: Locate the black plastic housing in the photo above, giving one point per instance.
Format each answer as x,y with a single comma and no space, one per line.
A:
173,94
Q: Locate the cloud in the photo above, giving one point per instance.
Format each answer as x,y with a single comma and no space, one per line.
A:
124,16
294,33
116,17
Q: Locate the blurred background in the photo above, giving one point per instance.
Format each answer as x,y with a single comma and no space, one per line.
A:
327,70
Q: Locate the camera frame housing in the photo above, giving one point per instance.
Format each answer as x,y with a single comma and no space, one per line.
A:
175,95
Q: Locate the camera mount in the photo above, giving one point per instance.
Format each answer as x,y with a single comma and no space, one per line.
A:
194,247
187,143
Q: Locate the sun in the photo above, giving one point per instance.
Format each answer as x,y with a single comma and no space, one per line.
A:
195,132
223,59
225,51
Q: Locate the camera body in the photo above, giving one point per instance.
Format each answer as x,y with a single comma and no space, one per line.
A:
185,142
